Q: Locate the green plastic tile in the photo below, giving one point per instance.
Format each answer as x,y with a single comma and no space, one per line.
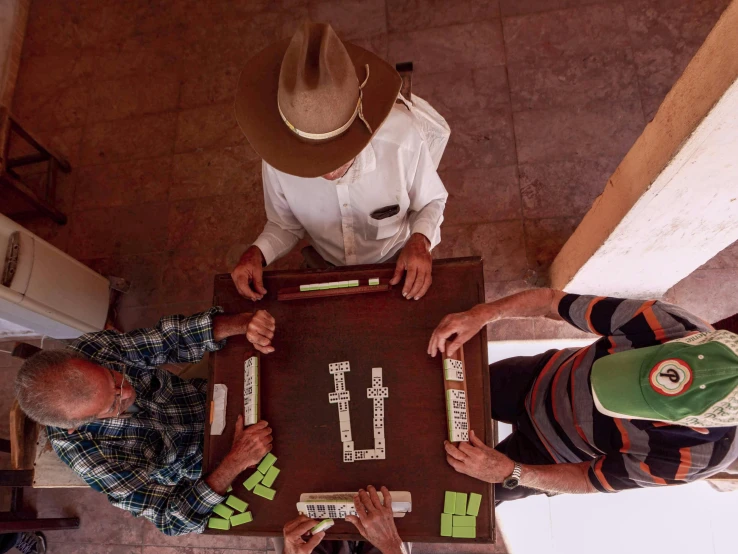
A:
446,525
266,463
464,533
460,504
322,526
270,476
229,489
218,523
240,519
236,503
252,481
373,282
264,492
223,511
465,521
449,502
472,507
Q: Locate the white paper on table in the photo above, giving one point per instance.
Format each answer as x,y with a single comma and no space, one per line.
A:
220,398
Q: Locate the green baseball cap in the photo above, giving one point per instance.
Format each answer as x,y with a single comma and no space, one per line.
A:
691,381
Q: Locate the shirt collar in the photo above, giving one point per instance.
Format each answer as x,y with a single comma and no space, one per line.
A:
365,162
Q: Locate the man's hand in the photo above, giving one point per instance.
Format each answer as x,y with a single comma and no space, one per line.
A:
250,445
260,331
375,522
479,460
249,270
464,325
293,532
416,259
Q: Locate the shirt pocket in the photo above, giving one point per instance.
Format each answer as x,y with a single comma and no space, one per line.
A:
380,229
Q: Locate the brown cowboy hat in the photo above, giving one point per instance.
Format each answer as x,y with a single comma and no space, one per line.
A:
311,103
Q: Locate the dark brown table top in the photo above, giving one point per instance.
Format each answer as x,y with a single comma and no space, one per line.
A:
369,330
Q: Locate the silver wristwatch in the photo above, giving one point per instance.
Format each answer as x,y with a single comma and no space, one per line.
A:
513,480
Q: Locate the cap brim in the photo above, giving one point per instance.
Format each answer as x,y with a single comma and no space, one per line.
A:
259,119
616,382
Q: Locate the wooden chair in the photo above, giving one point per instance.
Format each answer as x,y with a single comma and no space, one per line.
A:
44,202
24,459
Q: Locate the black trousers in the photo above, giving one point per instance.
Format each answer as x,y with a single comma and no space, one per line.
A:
7,541
510,382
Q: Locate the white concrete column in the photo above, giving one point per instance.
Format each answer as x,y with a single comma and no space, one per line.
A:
672,203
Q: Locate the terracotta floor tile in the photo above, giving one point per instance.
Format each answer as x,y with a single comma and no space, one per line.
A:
77,548
56,68
451,48
578,81
600,130
481,195
133,95
217,171
651,105
52,107
130,139
119,231
406,15
510,329
544,238
501,245
143,272
122,184
567,188
711,294
212,126
218,221
483,141
153,538
189,276
727,259
456,548
100,22
43,227
209,86
464,94
52,27
100,522
578,31
494,290
665,35
522,7
351,19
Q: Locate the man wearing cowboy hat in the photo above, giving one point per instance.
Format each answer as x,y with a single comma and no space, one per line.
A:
340,162
653,402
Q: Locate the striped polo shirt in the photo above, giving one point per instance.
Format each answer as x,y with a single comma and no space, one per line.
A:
624,453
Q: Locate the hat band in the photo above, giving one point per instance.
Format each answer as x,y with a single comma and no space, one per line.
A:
358,111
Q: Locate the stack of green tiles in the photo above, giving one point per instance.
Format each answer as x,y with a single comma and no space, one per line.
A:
459,517
327,286
263,478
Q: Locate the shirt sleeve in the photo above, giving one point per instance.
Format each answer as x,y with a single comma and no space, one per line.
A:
634,319
670,455
427,198
174,339
282,231
174,509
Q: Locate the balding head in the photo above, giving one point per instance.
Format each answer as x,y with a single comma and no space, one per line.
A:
62,389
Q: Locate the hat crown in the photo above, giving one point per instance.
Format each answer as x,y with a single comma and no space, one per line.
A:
318,87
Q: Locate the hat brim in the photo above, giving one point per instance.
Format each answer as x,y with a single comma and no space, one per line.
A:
258,116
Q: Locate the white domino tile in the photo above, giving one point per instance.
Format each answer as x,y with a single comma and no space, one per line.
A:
251,391
339,367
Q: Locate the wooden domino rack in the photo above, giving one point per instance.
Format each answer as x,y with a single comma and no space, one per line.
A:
455,385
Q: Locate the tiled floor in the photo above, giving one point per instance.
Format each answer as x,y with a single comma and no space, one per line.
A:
544,97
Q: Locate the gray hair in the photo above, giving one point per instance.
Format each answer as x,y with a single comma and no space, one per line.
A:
48,383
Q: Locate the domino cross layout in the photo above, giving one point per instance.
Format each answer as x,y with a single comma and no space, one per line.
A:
342,397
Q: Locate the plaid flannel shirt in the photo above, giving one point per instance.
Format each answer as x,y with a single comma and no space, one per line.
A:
149,464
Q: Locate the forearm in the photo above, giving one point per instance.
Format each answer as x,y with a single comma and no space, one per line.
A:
560,478
221,477
529,303
225,326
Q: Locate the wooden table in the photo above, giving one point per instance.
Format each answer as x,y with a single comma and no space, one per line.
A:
379,329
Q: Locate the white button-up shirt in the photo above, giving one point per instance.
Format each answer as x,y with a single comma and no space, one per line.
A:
394,169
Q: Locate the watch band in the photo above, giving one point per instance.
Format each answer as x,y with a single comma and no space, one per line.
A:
513,480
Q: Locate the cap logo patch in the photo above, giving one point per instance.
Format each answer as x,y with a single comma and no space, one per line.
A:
671,377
